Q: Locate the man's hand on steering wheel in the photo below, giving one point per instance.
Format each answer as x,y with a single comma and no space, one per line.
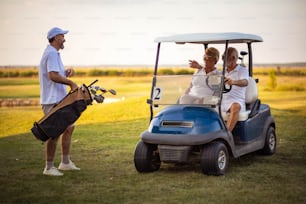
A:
227,86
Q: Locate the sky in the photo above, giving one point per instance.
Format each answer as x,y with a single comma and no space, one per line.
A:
122,32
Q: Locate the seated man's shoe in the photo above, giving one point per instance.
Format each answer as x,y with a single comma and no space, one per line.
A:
67,167
52,172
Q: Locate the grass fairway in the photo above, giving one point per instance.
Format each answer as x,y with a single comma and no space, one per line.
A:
103,147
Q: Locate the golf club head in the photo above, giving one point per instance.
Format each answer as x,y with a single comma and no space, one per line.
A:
102,89
93,92
112,91
99,98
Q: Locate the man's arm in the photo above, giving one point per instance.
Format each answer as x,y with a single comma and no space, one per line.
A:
56,77
240,82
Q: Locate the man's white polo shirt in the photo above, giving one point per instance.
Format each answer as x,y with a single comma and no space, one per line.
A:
50,91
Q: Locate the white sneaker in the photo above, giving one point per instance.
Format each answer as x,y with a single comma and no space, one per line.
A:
67,167
52,172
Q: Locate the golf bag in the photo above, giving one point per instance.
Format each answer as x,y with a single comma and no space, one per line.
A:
64,114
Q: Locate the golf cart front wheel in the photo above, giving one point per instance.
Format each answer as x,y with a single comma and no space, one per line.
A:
214,159
270,142
146,157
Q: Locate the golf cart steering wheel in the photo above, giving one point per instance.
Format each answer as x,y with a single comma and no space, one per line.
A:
227,88
214,82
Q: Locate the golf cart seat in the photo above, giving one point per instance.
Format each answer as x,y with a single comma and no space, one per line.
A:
251,100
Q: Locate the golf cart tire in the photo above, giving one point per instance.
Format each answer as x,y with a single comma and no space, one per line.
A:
214,159
270,142
146,157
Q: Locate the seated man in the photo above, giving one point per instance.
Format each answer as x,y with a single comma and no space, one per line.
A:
198,88
234,101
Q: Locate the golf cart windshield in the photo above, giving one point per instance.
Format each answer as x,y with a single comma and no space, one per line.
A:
176,89
168,90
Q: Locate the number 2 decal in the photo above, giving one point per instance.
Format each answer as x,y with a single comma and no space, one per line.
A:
157,93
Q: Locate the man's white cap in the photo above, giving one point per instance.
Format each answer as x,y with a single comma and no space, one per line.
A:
56,31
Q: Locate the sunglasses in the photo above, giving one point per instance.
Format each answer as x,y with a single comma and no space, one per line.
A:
207,57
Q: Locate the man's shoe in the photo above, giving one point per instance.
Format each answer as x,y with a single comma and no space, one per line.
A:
67,167
52,172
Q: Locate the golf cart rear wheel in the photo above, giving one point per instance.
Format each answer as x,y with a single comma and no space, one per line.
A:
146,157
214,159
270,142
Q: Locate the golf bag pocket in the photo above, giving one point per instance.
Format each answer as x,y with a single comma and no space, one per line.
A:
62,115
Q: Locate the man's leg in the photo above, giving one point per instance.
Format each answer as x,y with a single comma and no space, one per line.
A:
50,148
66,141
66,163
233,116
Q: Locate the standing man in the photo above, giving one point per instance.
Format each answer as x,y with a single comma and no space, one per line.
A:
234,101
53,81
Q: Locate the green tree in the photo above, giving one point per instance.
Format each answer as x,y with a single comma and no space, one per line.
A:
272,84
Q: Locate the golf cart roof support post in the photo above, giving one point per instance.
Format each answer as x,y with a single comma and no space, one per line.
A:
157,59
205,46
222,80
154,80
225,57
250,59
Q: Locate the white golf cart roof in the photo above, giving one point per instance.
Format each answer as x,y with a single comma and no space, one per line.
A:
211,38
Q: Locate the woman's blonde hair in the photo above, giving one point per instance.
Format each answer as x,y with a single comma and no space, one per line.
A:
212,52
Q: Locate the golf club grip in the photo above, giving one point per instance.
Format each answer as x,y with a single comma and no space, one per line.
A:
93,83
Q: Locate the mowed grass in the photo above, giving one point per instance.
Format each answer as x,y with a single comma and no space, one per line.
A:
103,146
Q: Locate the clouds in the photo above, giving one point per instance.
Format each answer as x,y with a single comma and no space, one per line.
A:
122,32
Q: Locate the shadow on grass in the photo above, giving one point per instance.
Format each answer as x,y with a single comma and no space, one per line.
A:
105,152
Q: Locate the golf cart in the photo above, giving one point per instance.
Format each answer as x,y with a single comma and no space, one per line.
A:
180,132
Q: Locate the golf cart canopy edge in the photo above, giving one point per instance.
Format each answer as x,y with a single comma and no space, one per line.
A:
211,38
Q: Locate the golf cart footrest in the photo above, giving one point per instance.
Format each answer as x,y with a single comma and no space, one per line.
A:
174,154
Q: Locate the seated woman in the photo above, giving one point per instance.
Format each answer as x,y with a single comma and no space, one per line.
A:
198,88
